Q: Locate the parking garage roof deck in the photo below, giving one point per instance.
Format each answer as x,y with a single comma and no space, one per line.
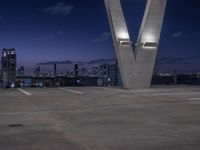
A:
100,118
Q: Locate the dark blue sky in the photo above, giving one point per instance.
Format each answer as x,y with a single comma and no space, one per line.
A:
45,30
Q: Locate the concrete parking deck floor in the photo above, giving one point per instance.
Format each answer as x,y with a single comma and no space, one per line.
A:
92,118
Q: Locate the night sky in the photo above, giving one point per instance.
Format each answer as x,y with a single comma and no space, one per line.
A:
52,30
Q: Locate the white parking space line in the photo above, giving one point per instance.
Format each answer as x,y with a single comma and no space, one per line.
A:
72,91
153,91
112,89
172,94
129,91
24,92
195,99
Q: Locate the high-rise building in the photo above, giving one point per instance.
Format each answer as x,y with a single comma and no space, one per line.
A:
95,70
8,65
0,75
0,78
76,69
20,71
55,70
108,75
36,71
83,71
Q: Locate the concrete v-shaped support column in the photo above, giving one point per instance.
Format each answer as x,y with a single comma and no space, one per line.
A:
136,64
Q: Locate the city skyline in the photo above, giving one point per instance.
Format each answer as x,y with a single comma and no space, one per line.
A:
47,31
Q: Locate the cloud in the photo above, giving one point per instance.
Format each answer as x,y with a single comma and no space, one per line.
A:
50,37
177,35
181,64
102,37
59,8
93,62
178,60
55,62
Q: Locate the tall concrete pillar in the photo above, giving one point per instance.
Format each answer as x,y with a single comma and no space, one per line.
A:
136,65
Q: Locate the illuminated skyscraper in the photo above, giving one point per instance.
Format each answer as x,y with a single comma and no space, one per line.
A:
8,67
108,74
76,70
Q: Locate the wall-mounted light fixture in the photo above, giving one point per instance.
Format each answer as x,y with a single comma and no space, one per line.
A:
150,44
124,43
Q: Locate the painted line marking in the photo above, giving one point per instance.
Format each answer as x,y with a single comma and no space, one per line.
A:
130,91
72,91
195,99
125,90
171,94
153,92
113,89
24,92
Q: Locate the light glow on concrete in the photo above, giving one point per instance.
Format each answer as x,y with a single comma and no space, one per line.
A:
148,37
123,35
